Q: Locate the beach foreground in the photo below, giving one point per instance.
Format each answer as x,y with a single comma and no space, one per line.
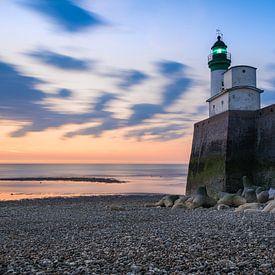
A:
118,235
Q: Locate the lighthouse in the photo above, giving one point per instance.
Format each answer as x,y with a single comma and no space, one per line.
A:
218,62
232,88
238,137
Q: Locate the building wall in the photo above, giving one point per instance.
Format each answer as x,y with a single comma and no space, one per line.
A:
216,81
219,104
240,99
240,76
227,79
244,99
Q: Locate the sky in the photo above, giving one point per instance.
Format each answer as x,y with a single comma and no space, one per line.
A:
119,81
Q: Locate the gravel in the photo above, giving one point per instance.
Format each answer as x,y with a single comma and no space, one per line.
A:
89,235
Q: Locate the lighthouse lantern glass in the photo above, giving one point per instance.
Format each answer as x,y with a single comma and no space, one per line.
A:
219,50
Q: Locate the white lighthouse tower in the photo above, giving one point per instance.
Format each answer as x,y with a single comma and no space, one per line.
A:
231,88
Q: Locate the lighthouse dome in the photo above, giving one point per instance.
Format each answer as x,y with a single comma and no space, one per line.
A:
219,44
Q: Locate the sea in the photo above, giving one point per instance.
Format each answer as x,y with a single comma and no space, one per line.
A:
135,179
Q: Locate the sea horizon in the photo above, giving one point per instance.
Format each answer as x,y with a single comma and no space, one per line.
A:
63,179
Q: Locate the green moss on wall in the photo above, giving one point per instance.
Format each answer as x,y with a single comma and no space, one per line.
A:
205,171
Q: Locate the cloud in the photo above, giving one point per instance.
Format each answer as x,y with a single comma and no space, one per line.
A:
174,90
106,124
178,84
66,13
64,93
131,78
170,68
159,133
103,100
142,112
61,61
22,101
17,92
201,109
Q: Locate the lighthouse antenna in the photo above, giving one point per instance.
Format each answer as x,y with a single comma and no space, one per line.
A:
219,33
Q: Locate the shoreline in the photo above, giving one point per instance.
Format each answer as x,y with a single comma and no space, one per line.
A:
34,197
74,179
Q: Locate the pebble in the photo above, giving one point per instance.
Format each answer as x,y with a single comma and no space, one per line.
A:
85,236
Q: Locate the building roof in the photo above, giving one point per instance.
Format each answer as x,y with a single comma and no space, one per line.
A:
219,44
232,67
224,91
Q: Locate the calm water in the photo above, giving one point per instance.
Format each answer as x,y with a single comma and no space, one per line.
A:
140,178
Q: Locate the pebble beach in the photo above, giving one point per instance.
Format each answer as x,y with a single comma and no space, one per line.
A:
118,235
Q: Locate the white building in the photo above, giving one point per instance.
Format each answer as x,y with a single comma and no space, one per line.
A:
232,88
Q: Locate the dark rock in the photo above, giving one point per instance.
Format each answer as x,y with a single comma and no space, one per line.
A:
271,193
263,196
180,202
250,195
200,199
232,200
246,206
239,192
270,207
259,189
169,200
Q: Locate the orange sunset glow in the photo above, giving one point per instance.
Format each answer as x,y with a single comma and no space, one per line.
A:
50,147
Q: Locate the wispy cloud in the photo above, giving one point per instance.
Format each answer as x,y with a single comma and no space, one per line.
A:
159,133
178,80
22,101
170,68
144,111
131,78
66,13
64,93
61,61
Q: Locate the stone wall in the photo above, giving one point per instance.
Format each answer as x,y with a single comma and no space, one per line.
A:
231,145
207,161
240,148
264,169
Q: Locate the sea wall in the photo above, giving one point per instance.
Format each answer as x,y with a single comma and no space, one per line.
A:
231,145
208,156
264,169
240,150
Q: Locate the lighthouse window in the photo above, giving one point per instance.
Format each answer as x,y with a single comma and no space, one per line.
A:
213,106
243,71
222,102
219,50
